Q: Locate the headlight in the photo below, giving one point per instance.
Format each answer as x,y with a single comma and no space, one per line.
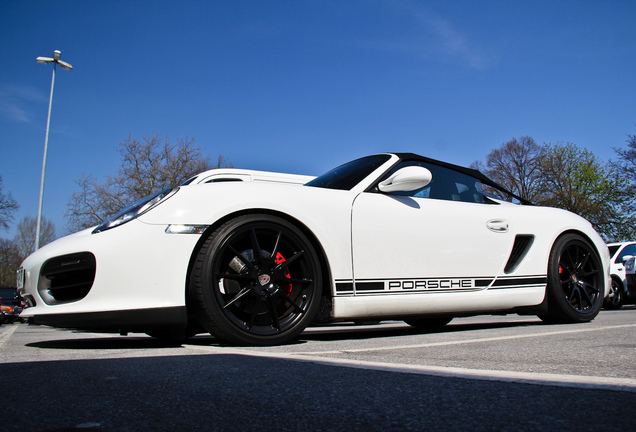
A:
135,210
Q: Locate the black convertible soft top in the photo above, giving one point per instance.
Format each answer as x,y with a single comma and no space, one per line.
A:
468,171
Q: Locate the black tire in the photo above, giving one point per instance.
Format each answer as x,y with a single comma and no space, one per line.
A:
428,324
575,281
256,281
615,298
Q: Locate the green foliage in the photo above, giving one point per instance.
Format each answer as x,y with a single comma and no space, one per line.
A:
565,176
575,180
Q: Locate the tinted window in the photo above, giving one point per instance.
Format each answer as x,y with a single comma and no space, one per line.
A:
627,250
346,176
447,184
613,250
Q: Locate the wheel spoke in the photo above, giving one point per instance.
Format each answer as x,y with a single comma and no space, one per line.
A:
233,276
584,263
285,264
294,305
272,310
585,294
258,253
294,281
250,323
590,273
276,245
237,297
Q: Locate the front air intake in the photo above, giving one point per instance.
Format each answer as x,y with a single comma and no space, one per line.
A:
519,251
67,278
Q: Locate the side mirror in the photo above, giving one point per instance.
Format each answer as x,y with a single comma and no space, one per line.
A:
406,179
628,262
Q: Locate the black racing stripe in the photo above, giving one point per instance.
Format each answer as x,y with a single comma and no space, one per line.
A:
369,286
508,283
343,287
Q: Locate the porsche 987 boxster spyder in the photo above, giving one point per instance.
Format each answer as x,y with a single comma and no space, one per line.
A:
255,261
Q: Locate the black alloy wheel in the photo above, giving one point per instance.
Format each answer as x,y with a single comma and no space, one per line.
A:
575,281
257,281
615,298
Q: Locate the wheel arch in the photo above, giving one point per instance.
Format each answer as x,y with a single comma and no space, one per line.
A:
542,308
619,280
326,292
582,234
591,242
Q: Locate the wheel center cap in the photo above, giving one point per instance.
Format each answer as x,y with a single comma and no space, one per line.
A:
264,279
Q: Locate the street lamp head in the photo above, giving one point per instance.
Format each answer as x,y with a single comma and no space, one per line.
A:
56,59
65,66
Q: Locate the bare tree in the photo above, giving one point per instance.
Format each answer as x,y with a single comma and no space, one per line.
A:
147,166
8,206
514,165
10,260
25,237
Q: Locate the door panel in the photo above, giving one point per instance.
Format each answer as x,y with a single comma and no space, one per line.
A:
411,243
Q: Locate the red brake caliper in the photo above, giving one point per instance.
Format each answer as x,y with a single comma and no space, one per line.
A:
280,259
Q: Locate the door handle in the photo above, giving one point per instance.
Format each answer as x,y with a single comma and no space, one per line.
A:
498,225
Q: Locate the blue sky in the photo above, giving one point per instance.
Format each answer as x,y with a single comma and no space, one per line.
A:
302,86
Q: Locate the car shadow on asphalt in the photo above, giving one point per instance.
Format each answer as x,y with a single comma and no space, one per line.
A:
323,333
108,342
356,332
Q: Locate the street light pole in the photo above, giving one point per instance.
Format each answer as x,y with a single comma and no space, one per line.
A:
66,66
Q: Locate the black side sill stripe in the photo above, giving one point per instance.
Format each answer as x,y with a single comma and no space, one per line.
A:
519,282
346,287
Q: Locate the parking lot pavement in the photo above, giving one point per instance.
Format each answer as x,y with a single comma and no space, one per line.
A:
483,373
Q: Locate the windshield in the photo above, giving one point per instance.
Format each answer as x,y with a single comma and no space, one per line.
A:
346,176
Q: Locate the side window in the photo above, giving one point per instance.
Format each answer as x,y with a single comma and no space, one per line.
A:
447,184
627,250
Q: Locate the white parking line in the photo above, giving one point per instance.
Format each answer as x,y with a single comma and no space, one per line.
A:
467,341
6,334
559,380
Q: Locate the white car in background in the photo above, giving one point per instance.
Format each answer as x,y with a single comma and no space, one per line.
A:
388,236
621,290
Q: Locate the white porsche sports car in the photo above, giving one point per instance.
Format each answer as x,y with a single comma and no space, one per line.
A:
388,236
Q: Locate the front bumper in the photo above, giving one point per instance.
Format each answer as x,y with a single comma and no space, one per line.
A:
139,278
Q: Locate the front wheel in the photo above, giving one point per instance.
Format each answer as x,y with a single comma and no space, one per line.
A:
256,281
575,281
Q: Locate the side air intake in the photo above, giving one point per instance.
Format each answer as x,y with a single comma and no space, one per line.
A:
67,278
522,245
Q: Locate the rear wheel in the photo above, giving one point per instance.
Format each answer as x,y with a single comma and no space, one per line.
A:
575,281
256,281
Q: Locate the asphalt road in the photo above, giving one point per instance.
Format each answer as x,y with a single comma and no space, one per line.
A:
480,374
